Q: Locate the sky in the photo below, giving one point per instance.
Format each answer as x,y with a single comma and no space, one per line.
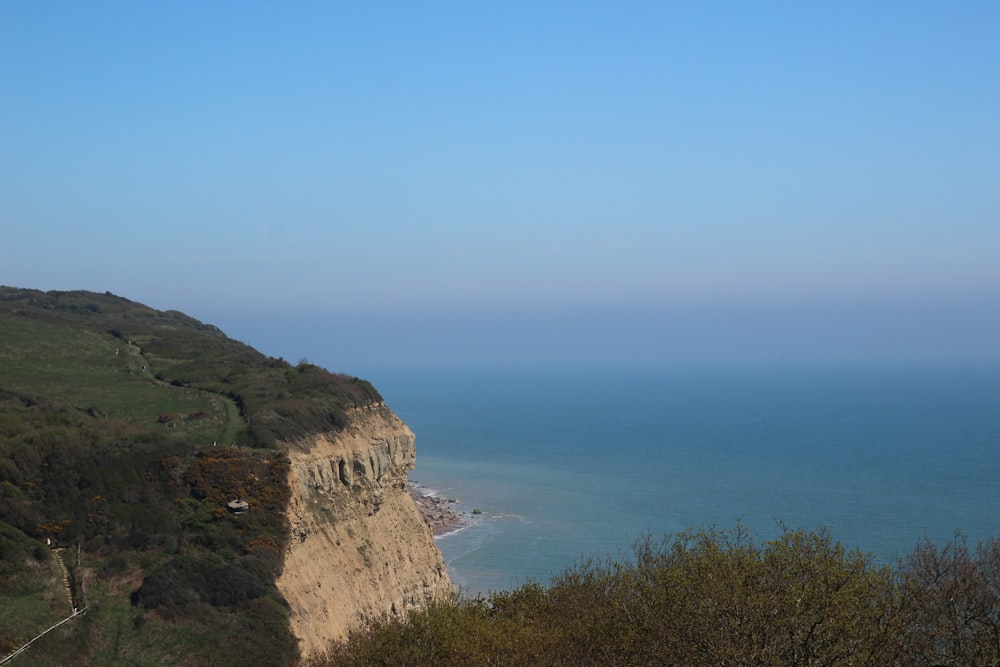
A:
398,184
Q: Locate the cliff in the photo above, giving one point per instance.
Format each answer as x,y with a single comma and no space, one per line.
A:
360,548
188,472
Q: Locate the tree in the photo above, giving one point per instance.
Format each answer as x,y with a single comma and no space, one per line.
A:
951,604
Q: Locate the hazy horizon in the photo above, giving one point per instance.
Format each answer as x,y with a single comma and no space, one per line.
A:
517,184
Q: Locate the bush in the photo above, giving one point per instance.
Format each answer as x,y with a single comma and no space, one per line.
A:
717,598
951,604
185,580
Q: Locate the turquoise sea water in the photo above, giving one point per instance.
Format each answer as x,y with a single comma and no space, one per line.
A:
571,463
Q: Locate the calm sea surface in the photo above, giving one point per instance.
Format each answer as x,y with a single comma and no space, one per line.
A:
573,463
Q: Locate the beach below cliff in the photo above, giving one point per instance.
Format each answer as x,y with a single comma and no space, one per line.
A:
439,512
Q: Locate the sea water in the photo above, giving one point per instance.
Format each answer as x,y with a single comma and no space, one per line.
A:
573,463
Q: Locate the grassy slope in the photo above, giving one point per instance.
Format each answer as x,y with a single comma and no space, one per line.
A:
96,373
109,411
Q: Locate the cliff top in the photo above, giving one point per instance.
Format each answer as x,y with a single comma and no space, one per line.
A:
117,426
59,332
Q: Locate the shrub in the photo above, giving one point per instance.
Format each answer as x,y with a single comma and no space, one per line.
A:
186,580
717,598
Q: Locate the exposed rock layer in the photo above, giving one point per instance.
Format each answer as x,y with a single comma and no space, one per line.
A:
359,549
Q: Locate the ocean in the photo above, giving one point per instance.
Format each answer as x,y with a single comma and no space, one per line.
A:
565,464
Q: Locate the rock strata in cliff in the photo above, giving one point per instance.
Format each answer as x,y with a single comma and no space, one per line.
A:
360,548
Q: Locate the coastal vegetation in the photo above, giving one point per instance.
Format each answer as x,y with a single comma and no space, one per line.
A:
144,463
125,434
715,598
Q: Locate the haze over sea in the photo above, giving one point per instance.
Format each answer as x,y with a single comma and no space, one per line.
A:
571,463
458,185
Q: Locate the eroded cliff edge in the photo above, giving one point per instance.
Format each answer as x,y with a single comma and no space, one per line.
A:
360,548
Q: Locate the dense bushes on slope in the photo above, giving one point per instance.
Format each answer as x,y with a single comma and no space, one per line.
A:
145,511
113,423
184,580
716,598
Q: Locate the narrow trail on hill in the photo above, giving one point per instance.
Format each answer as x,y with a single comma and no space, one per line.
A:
225,408
65,576
40,635
69,598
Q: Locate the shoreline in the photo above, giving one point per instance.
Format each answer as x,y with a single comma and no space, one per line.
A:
439,513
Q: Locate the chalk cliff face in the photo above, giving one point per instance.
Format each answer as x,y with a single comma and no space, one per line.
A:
359,549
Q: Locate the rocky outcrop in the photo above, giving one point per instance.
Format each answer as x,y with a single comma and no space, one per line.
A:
359,549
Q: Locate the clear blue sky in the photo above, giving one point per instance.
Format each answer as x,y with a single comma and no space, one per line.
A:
401,183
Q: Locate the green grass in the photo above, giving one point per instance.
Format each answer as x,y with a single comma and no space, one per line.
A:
98,351
32,600
81,369
230,419
108,415
121,634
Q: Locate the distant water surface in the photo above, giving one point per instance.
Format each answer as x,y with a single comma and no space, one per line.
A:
571,463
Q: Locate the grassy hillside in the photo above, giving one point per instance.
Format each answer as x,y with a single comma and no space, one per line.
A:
124,433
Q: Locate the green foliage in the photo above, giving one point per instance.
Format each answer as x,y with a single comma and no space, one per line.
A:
112,358
114,425
716,598
18,552
185,580
26,596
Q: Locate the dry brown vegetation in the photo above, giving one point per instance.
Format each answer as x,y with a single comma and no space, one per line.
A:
716,598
